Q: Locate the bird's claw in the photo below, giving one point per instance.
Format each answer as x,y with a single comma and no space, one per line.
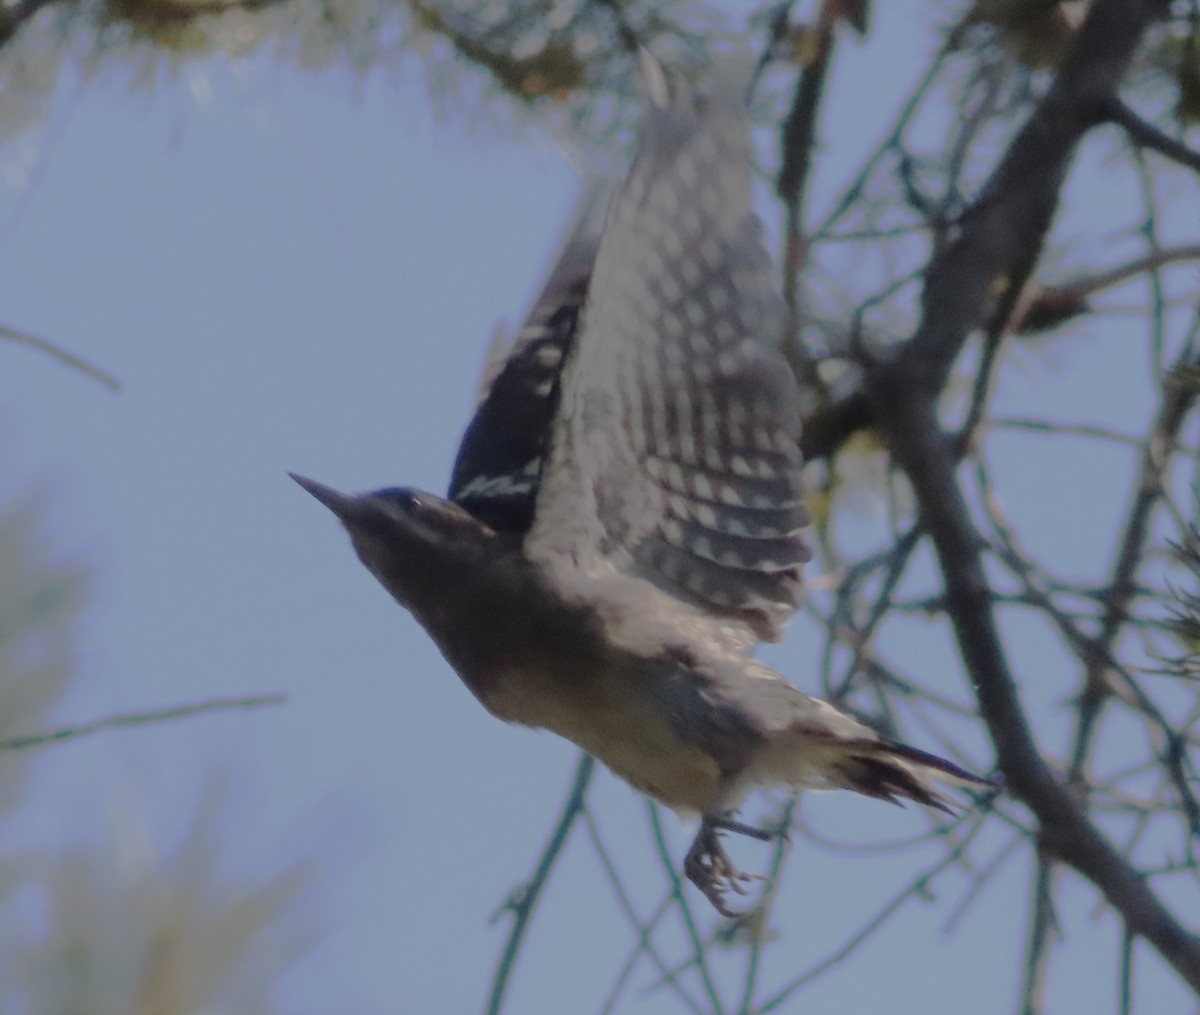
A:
730,824
709,868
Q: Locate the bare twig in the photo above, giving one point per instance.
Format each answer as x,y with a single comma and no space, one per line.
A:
64,357
1002,233
524,900
699,953
1042,924
779,851
1125,975
1145,135
1177,402
921,447
645,941
35,740
918,887
798,140
644,944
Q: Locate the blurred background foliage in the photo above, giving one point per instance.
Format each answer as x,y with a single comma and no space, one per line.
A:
110,925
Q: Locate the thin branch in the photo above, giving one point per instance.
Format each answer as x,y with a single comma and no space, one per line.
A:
1100,433
1145,135
1002,232
1125,975
985,375
1150,230
1037,953
58,353
699,955
849,197
644,945
1177,402
36,740
799,139
919,887
1041,308
524,901
925,454
645,942
980,881
779,852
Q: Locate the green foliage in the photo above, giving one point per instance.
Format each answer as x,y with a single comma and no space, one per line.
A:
40,600
190,938
112,928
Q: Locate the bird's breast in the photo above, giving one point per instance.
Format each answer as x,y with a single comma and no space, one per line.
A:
534,659
614,721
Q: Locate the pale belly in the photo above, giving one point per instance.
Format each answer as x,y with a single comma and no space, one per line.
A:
618,726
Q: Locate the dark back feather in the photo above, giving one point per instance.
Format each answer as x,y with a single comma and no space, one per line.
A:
503,452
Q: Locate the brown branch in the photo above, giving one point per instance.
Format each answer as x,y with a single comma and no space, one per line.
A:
828,428
36,740
1145,135
926,455
1177,402
798,138
1001,237
1043,307
1003,231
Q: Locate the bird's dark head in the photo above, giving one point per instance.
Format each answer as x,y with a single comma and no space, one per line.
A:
413,542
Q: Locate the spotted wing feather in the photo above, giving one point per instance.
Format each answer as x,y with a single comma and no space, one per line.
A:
675,456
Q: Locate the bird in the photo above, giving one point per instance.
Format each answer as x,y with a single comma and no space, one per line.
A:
625,517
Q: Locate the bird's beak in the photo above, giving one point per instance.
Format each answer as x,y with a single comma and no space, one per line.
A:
338,503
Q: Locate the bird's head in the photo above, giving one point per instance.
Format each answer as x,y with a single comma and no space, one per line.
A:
413,542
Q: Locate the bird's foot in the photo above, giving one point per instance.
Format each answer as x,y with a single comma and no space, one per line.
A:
729,824
709,868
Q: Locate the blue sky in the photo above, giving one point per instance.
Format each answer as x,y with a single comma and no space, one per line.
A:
286,273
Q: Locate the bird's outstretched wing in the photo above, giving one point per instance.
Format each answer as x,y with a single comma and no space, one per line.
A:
503,451
675,453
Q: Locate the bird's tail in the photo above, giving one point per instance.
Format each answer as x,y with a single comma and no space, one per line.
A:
896,772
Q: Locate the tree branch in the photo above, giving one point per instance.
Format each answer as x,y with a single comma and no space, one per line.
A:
524,900
1145,135
1003,231
36,740
798,138
925,453
57,352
